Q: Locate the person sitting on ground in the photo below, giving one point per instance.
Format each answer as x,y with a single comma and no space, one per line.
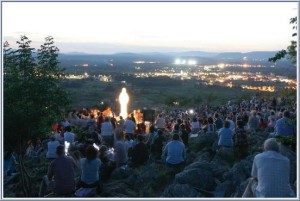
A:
253,121
271,122
270,173
90,169
60,177
107,130
240,140
129,127
51,148
174,152
210,127
107,166
157,145
140,153
69,137
160,123
195,125
284,127
184,135
150,136
225,135
120,149
218,121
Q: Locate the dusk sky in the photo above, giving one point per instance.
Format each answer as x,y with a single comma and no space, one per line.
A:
110,27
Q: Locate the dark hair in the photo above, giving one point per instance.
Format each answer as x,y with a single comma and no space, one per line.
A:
182,126
68,129
140,138
210,120
216,115
286,114
60,150
226,124
240,123
152,129
175,136
160,132
91,153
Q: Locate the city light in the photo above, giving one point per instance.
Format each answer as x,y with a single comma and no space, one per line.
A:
191,111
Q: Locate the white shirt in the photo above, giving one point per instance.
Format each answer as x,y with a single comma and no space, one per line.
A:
272,171
160,123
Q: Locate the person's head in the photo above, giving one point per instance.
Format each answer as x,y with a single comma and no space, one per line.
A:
194,119
286,114
68,129
140,138
271,145
210,120
182,127
60,150
240,123
160,115
91,152
216,115
106,119
175,136
226,124
152,129
120,117
272,113
103,150
52,137
179,121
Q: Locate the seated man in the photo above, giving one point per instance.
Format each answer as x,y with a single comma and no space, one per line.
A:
60,177
270,173
174,152
284,126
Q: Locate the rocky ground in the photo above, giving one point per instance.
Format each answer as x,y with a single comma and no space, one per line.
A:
208,173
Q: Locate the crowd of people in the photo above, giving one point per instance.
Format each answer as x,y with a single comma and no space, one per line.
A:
114,144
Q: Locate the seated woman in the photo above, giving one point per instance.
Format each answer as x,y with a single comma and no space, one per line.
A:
51,148
90,169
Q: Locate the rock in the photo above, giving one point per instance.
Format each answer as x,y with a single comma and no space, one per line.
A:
226,153
287,152
121,173
205,140
197,177
180,190
224,189
117,189
239,172
241,189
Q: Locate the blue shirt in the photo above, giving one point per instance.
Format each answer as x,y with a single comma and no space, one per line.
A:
225,137
284,127
174,152
90,170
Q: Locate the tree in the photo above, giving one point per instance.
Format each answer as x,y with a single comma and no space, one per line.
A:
291,51
33,98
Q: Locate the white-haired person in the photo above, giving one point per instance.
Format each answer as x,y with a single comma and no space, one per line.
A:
270,173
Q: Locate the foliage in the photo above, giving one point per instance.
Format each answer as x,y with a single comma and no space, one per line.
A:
291,51
33,98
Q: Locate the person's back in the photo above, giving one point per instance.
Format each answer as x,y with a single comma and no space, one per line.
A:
62,170
140,152
129,126
273,171
90,170
225,135
120,149
69,136
284,126
253,122
51,148
174,151
270,173
107,128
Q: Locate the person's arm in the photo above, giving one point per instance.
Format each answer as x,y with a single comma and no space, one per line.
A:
254,169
